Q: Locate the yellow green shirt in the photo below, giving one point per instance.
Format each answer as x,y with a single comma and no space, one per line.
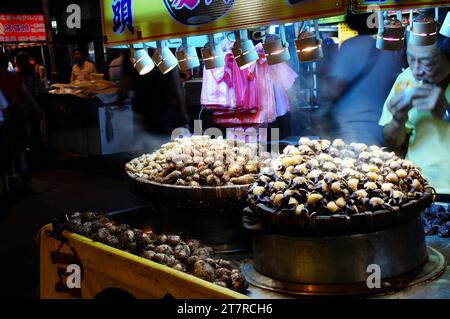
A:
429,142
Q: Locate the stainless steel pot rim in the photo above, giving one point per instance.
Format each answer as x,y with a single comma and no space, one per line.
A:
432,269
333,237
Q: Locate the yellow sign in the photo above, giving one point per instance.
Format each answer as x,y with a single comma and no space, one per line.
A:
362,5
127,21
345,33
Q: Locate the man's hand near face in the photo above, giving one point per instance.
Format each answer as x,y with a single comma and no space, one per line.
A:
394,133
399,106
430,98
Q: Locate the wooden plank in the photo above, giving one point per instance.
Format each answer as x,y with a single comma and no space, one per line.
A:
106,267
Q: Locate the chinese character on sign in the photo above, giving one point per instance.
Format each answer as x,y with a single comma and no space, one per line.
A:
8,27
123,17
25,28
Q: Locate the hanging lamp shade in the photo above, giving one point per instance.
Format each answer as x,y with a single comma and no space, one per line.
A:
188,59
212,54
391,36
164,59
309,47
142,62
276,48
423,30
244,50
445,28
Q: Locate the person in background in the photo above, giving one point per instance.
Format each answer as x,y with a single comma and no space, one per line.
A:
4,154
40,71
26,70
115,67
34,85
100,64
416,112
20,104
158,105
9,53
10,67
82,69
356,86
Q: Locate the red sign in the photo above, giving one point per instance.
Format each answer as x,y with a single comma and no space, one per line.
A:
22,28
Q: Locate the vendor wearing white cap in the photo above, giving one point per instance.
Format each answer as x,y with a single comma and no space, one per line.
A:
416,112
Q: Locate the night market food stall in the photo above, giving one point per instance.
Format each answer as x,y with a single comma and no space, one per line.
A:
84,117
323,217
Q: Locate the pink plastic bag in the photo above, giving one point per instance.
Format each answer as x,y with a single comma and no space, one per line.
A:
249,97
222,88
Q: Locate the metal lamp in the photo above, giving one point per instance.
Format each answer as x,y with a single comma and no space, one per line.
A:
164,58
212,54
277,48
391,34
244,51
187,57
445,28
308,45
142,61
423,30
309,48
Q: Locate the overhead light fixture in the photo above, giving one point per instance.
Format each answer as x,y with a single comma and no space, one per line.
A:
309,46
423,30
277,48
164,58
212,54
391,33
244,51
141,61
445,28
187,56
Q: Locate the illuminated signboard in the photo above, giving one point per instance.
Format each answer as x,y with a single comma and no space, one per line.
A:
126,21
22,28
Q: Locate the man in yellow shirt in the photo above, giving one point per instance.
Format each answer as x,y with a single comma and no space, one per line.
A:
416,112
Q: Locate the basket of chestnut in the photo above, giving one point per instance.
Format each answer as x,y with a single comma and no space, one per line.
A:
197,173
